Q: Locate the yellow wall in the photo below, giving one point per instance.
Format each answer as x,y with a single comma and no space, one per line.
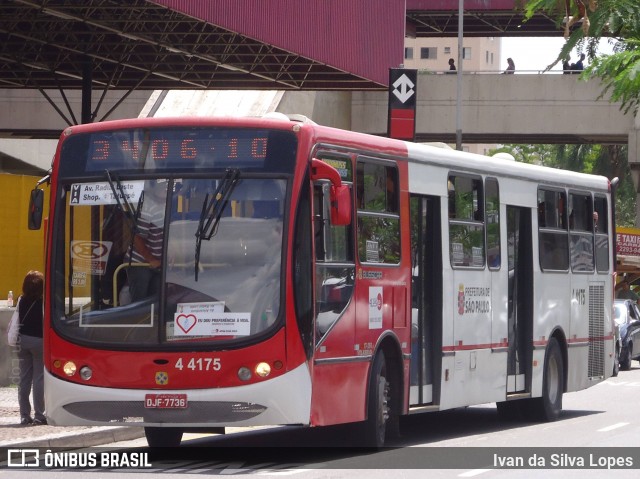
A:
21,249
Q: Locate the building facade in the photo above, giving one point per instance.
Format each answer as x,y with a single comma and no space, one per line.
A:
480,55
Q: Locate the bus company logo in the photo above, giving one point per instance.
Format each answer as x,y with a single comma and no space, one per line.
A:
89,249
376,302
162,378
23,458
461,299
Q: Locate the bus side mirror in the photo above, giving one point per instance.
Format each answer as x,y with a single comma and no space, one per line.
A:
340,205
340,196
36,204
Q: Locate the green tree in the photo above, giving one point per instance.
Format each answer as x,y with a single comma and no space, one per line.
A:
606,160
618,20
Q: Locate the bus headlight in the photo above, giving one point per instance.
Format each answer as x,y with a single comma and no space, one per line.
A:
69,368
244,373
86,373
263,370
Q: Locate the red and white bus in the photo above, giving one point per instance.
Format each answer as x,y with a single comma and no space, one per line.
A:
313,276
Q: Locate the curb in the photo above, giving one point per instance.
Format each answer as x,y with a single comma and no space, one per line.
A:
101,435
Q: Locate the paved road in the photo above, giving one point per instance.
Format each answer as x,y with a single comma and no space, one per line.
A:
601,417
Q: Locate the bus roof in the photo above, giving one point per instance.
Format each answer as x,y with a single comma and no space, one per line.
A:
398,149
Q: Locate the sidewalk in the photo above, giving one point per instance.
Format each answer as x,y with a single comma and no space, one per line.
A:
13,434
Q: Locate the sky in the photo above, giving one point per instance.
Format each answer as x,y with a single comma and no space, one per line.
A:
535,54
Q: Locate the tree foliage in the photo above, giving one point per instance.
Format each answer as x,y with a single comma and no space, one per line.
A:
618,20
619,72
606,160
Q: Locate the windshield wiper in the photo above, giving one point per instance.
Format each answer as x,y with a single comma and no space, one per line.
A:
212,209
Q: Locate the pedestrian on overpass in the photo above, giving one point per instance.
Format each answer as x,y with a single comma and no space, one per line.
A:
511,67
578,66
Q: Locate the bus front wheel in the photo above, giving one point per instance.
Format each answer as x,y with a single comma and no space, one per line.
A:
549,406
163,436
381,420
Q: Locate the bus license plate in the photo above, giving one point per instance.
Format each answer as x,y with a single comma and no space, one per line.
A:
165,401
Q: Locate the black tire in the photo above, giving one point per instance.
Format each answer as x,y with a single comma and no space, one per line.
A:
163,436
616,363
549,406
381,422
625,359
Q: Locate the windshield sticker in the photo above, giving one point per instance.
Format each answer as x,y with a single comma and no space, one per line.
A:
79,279
202,308
208,319
373,252
90,256
212,324
101,193
375,307
457,253
340,165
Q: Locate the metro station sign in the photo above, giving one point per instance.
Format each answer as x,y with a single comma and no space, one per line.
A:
401,122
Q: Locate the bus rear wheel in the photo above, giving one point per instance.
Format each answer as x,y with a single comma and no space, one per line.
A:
549,406
163,436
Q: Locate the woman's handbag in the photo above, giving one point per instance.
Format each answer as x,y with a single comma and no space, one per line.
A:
13,331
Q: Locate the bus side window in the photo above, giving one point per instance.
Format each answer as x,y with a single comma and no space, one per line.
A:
378,218
335,268
581,232
553,234
600,227
466,221
492,222
542,221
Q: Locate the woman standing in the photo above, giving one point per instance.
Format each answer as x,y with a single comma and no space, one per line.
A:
30,349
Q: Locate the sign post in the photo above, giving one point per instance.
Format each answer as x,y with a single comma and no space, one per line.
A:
401,122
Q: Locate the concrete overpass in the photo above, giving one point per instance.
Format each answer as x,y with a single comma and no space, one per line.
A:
495,108
521,108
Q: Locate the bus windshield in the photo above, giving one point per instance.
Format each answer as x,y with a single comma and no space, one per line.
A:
171,259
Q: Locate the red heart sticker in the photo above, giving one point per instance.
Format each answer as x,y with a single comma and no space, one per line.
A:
186,322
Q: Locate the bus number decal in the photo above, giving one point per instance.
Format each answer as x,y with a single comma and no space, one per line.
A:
580,295
199,364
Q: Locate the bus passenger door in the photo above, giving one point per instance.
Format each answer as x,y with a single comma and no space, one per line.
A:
334,368
520,299
426,300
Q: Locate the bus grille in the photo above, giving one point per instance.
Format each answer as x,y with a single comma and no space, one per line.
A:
596,331
131,412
